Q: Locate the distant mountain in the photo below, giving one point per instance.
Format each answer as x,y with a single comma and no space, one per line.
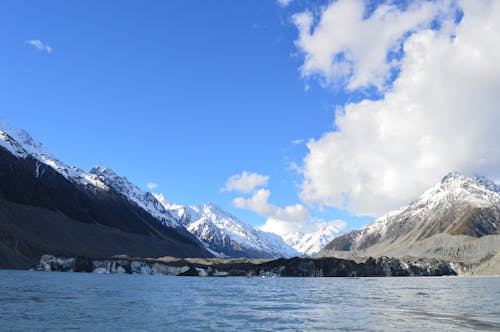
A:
49,207
457,219
312,243
225,235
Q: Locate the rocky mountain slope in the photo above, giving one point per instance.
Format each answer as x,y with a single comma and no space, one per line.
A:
458,220
49,207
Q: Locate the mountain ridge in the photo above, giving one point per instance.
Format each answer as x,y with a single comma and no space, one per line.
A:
226,235
458,219
47,206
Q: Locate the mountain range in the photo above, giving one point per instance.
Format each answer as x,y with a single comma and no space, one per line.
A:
48,206
227,236
221,233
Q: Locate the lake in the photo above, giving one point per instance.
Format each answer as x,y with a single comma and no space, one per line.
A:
52,300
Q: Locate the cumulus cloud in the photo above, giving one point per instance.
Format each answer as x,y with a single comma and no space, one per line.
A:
245,182
260,205
39,45
441,113
152,185
285,220
344,45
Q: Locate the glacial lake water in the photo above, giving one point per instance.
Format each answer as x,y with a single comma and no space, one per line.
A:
67,301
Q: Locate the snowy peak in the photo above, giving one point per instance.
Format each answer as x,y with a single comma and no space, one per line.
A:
312,242
145,200
214,213
179,212
457,205
456,187
21,144
11,145
478,180
226,235
244,235
455,191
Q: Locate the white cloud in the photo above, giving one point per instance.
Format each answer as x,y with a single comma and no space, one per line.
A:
245,182
441,114
289,220
152,185
39,45
258,203
284,3
283,227
343,45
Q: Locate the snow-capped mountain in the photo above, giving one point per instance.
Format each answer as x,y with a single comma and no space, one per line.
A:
222,233
145,200
457,208
21,144
225,235
48,207
311,243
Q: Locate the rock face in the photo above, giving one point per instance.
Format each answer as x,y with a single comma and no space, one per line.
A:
456,220
46,206
293,267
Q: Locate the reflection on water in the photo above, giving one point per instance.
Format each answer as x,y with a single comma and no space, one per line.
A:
47,301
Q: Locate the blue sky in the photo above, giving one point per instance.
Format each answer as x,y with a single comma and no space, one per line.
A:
184,94
180,93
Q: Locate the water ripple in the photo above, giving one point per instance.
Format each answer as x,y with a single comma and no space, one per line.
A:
45,301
